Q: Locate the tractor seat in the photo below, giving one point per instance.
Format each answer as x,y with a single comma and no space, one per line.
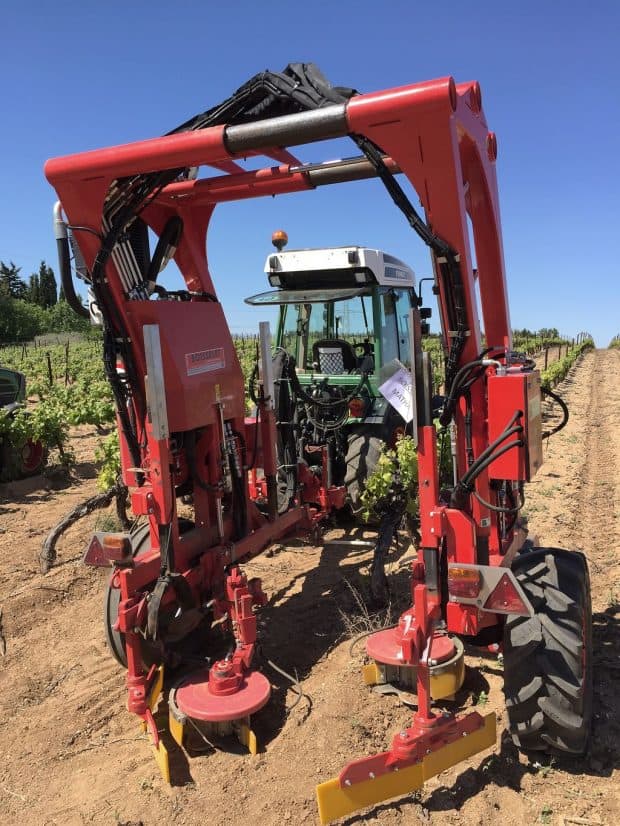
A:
334,356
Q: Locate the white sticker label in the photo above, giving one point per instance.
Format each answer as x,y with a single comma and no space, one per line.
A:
205,361
397,390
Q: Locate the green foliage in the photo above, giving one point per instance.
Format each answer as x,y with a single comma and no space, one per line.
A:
559,369
78,393
399,465
62,319
47,288
20,320
615,342
108,453
11,284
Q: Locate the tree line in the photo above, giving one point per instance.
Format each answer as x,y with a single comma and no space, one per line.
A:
34,307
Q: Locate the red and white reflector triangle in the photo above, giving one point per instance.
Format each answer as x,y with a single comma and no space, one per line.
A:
506,599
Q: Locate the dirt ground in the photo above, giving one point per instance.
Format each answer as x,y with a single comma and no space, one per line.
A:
71,754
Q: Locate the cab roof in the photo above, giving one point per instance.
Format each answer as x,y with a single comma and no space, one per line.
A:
342,266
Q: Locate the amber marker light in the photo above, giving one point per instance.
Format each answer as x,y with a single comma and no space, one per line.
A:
279,239
464,582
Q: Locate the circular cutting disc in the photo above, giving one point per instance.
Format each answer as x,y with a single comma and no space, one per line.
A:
384,647
194,698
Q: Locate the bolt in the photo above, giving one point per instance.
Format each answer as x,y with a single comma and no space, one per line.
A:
371,775
464,734
432,530
403,735
347,782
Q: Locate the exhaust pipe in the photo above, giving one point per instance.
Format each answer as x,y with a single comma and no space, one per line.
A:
64,262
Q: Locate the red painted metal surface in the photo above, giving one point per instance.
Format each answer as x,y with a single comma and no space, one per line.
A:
199,698
436,134
385,647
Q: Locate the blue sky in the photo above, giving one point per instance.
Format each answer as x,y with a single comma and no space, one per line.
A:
80,75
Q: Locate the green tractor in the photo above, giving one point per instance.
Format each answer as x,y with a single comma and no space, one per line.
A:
17,461
342,331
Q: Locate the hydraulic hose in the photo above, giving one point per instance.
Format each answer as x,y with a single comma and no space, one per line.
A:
559,400
509,431
464,487
166,246
308,399
64,263
448,410
498,508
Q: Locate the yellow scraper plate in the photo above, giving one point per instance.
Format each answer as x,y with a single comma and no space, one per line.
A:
336,801
160,753
156,688
247,738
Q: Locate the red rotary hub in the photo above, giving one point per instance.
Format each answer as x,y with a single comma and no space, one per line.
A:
221,694
385,647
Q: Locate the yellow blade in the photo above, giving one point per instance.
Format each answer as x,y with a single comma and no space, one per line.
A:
161,758
335,801
156,688
247,738
371,674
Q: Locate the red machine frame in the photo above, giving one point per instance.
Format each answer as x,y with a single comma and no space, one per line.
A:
435,134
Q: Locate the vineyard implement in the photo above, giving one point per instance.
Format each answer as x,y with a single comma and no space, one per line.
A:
189,454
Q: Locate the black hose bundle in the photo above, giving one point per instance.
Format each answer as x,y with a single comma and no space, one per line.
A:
497,448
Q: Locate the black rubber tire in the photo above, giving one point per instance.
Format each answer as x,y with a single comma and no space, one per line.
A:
548,657
140,541
363,451
22,463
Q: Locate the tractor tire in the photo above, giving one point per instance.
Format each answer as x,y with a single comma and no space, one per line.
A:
363,451
24,462
140,541
548,657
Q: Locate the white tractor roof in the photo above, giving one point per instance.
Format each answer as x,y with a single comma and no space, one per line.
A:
387,270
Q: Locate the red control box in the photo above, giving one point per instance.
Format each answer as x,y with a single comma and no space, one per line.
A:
506,394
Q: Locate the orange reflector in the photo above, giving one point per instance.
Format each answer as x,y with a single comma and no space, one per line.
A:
464,582
108,549
505,598
116,545
357,407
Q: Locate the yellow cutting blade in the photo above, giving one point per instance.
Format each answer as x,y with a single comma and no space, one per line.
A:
160,753
335,801
156,688
247,738
371,674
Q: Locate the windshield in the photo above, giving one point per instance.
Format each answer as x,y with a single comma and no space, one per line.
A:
305,296
306,324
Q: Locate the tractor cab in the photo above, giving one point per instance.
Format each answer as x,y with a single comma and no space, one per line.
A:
343,310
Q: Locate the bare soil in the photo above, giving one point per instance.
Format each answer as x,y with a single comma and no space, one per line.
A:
71,754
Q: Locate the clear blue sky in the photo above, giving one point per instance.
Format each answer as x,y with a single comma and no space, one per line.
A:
80,75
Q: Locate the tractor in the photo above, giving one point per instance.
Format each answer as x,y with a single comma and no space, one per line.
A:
342,330
17,461
185,439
